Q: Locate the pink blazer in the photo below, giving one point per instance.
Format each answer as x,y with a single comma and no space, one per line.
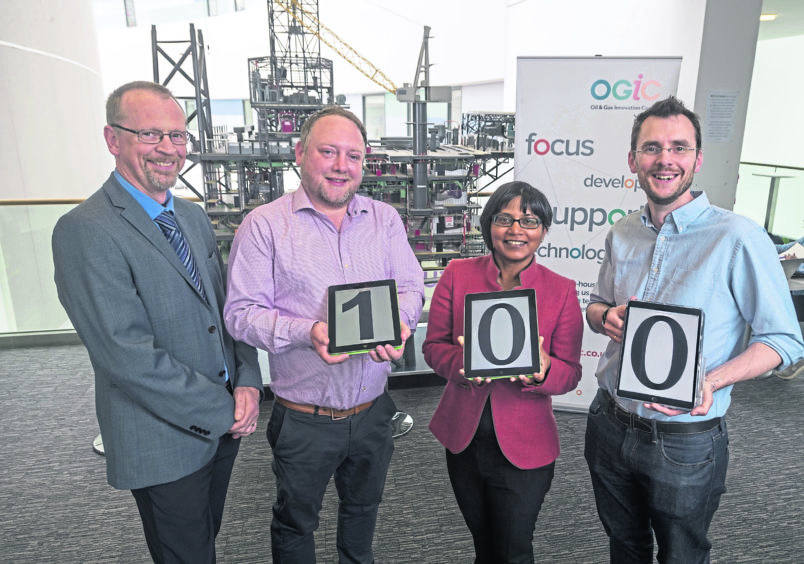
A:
523,415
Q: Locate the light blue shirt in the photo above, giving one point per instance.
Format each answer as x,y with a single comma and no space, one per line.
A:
151,206
703,257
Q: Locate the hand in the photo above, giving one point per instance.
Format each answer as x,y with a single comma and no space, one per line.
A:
247,411
538,377
703,409
477,381
319,337
385,353
615,321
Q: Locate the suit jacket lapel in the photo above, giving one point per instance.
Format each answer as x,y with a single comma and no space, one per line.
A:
132,212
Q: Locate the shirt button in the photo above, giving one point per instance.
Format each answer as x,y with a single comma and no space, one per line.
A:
222,373
364,388
211,329
663,238
655,270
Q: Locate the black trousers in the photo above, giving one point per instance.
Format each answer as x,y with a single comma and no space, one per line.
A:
308,450
499,502
181,519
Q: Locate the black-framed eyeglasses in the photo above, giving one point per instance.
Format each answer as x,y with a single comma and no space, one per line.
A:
655,150
154,136
524,222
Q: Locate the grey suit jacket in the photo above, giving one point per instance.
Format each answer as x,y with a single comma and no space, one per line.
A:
157,347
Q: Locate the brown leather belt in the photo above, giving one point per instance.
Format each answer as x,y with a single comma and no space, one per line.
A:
327,411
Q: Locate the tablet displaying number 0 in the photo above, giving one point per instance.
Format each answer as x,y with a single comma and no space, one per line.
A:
661,356
501,334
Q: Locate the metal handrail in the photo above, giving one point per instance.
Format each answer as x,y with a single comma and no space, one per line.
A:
772,165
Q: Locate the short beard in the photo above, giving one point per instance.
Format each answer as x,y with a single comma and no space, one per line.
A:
158,183
667,199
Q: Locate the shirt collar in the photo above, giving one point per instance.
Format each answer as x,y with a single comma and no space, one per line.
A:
151,206
683,216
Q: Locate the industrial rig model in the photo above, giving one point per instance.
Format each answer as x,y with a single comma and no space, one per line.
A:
434,177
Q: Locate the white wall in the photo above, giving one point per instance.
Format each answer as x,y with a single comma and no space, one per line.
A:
585,28
776,106
51,104
484,97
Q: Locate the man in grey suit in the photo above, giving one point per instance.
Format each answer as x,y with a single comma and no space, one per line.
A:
140,276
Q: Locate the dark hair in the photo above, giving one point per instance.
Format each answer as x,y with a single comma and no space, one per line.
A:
670,106
532,200
114,112
330,111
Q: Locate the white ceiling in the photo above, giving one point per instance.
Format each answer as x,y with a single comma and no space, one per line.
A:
789,20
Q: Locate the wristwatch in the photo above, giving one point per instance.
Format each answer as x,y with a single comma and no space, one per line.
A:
606,314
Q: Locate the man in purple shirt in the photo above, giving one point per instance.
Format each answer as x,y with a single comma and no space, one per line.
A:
331,414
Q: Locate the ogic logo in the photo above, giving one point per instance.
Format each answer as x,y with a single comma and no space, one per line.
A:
638,89
560,147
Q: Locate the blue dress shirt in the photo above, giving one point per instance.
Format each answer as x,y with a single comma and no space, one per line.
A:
703,257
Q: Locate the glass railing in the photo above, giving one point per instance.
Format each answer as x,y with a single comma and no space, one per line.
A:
29,304
30,311
773,196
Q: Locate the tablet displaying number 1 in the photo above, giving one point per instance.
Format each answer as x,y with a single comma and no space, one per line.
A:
363,315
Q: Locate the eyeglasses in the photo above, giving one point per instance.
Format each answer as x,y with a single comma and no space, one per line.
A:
154,136
655,151
508,221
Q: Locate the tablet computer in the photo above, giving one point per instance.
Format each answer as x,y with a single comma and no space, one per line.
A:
363,315
661,354
501,334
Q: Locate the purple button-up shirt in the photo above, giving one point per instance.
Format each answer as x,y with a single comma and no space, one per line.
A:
284,257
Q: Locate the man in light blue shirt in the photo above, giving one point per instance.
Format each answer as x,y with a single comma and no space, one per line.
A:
653,467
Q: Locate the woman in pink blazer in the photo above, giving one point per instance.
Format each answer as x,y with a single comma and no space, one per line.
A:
500,435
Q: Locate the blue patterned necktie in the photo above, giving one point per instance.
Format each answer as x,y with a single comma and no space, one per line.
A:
167,223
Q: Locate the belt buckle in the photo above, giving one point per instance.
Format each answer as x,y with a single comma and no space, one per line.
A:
334,417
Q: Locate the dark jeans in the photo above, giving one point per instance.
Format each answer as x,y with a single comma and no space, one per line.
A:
307,450
671,483
182,518
499,502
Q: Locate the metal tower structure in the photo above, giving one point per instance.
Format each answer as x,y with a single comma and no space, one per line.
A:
238,171
294,81
180,66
